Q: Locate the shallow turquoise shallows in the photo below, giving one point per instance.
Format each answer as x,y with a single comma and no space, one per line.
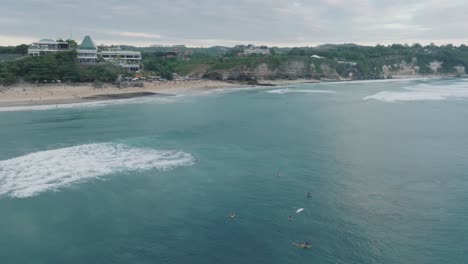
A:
154,180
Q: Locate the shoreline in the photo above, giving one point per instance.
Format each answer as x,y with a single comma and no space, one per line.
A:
58,94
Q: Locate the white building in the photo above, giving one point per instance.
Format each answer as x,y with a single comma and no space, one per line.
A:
130,60
317,57
47,46
256,50
87,52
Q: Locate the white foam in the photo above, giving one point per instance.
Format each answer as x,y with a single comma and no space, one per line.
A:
402,80
139,100
288,90
42,171
424,92
226,90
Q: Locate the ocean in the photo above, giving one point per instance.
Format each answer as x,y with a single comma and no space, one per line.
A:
379,167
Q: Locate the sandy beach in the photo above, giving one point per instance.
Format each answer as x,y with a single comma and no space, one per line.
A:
47,94
50,94
30,94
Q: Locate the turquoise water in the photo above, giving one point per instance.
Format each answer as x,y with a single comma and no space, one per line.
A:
154,180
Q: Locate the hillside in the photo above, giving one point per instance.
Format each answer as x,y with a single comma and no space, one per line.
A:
324,62
328,62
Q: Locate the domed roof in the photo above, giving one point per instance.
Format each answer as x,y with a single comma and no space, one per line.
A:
47,41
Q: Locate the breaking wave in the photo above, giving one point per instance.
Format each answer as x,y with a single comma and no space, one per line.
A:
51,170
287,90
424,92
139,100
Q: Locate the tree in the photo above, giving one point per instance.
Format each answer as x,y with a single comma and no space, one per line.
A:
100,73
8,72
21,49
68,66
72,43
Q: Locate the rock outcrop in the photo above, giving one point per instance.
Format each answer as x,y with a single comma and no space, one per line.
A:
306,68
289,69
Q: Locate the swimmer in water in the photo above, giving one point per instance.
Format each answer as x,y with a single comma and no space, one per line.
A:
304,245
291,218
232,215
309,195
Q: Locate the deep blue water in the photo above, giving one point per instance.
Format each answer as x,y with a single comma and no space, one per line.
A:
388,177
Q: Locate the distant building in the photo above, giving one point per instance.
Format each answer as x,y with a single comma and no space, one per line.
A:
47,46
352,63
182,53
130,60
250,49
87,52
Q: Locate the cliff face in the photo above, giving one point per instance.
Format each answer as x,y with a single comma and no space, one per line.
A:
289,69
322,69
412,69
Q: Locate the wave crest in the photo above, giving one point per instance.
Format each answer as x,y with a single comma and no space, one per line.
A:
42,171
288,90
424,92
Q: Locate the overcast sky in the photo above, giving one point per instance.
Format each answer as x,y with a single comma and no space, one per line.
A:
221,22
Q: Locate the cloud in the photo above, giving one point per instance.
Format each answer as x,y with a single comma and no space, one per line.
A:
10,21
138,35
7,40
398,27
216,22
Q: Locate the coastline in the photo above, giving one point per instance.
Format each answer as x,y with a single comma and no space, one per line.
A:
57,94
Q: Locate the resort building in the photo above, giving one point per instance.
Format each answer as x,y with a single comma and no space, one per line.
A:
87,52
130,60
46,46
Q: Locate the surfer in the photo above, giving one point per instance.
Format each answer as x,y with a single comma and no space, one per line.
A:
304,245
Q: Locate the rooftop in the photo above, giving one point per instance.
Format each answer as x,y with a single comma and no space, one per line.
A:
87,44
46,41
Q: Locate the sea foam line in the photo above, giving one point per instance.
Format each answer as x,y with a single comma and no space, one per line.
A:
288,90
52,170
424,92
102,103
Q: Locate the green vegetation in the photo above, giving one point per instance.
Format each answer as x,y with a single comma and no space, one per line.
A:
161,63
21,49
370,60
62,66
166,63
211,51
361,62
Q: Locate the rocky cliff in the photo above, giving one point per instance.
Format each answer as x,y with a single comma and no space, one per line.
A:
306,68
289,69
